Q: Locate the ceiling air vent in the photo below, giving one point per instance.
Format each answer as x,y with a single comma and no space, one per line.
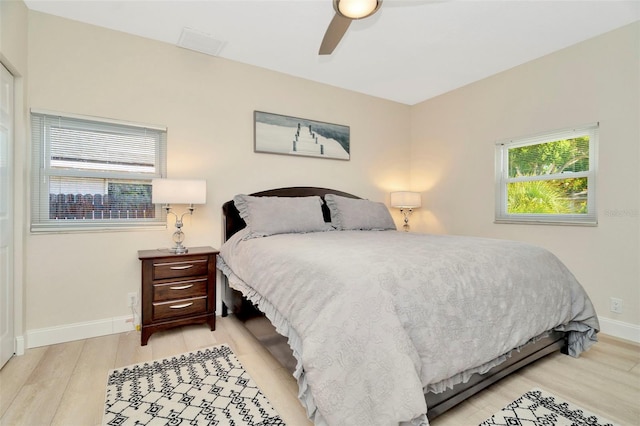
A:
200,42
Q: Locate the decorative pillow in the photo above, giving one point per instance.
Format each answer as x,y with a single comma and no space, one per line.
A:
353,213
280,215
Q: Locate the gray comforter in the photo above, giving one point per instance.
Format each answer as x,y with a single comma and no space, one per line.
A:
376,318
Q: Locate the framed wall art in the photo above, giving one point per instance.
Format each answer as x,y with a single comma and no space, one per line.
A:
281,134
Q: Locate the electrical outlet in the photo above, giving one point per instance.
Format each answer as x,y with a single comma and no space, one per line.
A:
132,299
615,305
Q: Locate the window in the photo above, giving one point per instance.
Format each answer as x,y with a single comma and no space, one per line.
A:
93,173
548,178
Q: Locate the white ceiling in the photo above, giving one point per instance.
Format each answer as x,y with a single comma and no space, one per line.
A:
411,50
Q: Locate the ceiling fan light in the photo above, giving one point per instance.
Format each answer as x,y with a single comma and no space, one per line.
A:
356,9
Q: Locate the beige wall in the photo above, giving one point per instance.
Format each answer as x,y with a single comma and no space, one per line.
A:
207,104
13,35
452,159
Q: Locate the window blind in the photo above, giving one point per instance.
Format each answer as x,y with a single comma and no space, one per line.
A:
94,173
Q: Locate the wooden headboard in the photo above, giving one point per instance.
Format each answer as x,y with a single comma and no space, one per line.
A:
233,222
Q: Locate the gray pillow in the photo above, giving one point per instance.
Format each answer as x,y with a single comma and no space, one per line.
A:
353,213
280,215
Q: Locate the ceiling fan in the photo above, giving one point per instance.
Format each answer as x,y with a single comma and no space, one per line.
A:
346,11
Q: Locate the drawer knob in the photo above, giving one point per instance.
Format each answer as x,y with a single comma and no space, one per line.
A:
184,305
180,268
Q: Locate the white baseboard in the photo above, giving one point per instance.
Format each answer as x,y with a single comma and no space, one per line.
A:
77,331
619,329
86,330
20,345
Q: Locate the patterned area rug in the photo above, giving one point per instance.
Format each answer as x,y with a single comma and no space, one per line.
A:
539,408
207,387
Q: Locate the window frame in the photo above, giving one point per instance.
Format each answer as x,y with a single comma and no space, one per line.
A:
502,178
42,171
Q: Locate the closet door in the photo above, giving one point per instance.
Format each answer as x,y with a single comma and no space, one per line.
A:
7,337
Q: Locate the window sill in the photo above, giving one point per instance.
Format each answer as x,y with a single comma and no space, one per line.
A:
544,222
61,229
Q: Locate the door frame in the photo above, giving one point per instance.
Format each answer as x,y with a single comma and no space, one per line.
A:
8,344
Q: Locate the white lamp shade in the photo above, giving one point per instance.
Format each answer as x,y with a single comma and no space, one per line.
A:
357,9
406,200
178,191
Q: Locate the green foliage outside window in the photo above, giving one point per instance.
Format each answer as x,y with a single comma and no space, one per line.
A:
552,196
547,196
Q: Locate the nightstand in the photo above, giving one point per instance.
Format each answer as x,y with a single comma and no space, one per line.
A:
177,289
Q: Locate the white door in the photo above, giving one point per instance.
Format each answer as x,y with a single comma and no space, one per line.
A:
7,337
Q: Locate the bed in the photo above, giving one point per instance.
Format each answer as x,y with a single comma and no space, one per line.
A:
388,327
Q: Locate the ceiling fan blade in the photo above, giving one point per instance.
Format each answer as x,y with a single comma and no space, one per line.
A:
335,31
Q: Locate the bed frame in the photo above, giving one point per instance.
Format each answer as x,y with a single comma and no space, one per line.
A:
437,403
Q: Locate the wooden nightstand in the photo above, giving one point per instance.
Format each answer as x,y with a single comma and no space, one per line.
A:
177,289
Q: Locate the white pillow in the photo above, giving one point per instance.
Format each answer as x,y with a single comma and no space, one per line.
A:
356,214
280,215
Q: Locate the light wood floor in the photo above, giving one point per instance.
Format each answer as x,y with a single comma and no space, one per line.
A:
64,384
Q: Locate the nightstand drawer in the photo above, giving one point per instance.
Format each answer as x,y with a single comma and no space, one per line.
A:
185,268
179,308
182,289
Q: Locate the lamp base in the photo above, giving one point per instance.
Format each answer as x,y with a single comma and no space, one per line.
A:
406,213
178,249
178,238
